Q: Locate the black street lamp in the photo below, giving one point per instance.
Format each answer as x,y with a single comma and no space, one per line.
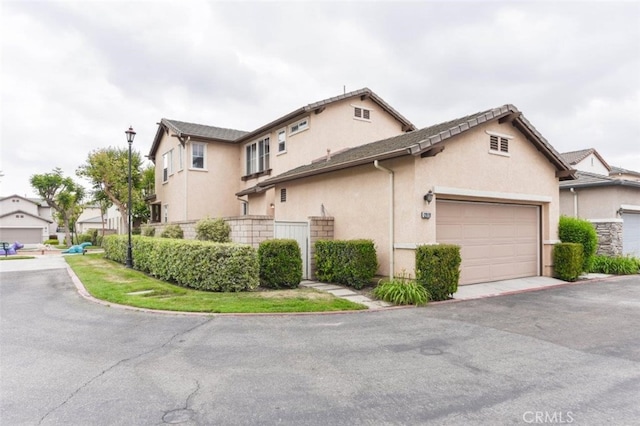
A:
130,135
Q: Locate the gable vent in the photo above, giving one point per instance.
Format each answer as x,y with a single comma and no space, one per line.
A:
283,195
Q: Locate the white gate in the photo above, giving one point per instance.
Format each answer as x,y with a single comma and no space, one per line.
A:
298,231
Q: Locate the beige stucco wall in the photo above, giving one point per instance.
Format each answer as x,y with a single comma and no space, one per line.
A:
192,194
358,198
601,202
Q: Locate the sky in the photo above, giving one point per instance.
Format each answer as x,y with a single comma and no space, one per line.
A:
76,74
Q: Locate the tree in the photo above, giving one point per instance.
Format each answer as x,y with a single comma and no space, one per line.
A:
61,193
108,171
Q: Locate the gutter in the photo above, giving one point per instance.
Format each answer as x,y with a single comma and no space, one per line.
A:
391,217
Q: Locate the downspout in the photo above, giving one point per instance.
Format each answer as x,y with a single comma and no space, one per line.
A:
391,218
575,202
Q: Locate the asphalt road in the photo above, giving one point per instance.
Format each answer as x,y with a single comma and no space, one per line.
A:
567,355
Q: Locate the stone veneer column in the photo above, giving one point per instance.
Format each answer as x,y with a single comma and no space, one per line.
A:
609,236
320,228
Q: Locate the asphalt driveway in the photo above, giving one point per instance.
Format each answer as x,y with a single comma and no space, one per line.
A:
569,354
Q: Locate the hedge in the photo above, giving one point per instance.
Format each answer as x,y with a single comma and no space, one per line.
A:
172,231
196,264
438,269
573,230
216,230
280,263
352,263
568,260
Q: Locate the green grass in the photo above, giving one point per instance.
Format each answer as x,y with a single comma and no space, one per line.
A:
112,282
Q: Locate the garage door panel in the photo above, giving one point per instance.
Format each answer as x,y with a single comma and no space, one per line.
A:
631,234
498,241
21,235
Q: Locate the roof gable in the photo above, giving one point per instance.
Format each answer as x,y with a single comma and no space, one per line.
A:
425,142
575,157
31,200
22,212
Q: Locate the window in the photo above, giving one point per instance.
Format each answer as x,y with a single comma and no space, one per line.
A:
362,113
166,213
257,156
283,195
299,126
497,143
197,155
282,141
166,165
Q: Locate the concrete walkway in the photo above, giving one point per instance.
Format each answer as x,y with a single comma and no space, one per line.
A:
346,293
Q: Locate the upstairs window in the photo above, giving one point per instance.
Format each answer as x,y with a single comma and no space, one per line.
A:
299,126
167,160
361,113
197,156
257,156
282,141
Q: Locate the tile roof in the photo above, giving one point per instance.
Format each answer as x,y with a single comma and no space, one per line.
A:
586,179
574,157
619,170
415,143
183,128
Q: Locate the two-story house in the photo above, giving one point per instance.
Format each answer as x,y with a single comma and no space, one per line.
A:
211,171
25,220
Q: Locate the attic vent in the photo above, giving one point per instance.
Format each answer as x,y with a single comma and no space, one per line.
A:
283,195
498,144
362,113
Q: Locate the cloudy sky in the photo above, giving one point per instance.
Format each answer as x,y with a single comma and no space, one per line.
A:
76,74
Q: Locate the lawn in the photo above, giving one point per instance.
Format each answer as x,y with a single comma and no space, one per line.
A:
112,282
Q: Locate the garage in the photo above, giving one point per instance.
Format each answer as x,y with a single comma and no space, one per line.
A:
21,235
498,241
631,233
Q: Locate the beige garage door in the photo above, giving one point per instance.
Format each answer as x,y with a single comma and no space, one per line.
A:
21,235
498,241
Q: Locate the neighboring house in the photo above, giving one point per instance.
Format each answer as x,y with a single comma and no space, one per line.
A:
211,171
487,181
26,220
607,196
90,219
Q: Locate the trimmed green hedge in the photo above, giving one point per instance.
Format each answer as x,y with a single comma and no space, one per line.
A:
216,230
438,269
172,231
196,264
573,230
352,263
568,260
280,263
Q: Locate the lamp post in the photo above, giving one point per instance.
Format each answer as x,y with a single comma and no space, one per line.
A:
130,135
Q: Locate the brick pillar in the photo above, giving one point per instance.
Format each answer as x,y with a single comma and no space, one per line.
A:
609,236
320,228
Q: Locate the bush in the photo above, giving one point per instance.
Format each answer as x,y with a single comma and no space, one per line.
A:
51,242
573,230
84,238
568,260
352,263
53,237
618,265
216,230
280,263
148,231
136,231
196,264
438,269
402,291
93,233
172,231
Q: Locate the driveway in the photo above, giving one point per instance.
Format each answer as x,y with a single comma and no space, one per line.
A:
568,354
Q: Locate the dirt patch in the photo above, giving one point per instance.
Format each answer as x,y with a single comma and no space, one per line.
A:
295,293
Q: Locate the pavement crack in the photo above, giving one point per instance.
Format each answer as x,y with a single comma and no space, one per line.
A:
123,361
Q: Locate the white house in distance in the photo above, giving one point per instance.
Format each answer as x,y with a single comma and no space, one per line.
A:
25,220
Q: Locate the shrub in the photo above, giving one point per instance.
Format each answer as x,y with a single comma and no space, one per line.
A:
84,238
402,291
172,231
568,260
51,242
573,230
353,263
280,263
93,233
438,269
147,231
216,230
53,237
618,265
136,231
196,264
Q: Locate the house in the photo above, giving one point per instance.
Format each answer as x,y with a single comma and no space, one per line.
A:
487,181
26,220
210,171
607,196
90,218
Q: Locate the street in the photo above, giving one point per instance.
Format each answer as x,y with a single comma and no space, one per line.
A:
561,355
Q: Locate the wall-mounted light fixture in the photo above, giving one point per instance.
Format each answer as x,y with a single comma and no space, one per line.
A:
428,197
273,206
